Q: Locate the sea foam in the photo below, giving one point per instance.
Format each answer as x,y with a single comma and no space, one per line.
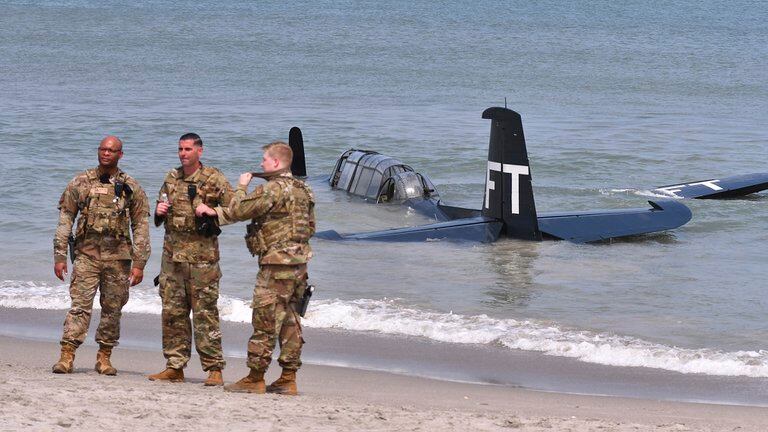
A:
389,316
648,193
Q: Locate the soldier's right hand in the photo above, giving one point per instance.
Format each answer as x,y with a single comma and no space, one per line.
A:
245,179
162,208
60,270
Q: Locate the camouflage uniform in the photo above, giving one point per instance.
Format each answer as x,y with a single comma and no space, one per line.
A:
283,220
189,275
104,250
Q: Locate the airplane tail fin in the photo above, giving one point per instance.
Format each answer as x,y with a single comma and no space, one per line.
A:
508,189
296,141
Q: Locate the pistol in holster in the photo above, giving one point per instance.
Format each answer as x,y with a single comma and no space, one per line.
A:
304,302
71,243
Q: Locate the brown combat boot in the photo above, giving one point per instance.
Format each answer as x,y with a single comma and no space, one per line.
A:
103,365
66,360
169,374
285,385
253,383
214,378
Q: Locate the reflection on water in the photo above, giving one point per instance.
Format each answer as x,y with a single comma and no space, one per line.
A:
513,261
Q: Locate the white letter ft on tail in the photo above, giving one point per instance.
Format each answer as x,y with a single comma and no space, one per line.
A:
516,171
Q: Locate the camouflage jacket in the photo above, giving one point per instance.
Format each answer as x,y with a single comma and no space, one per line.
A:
282,213
207,186
105,221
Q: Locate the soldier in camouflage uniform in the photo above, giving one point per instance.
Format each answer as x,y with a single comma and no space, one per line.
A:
282,222
111,205
189,275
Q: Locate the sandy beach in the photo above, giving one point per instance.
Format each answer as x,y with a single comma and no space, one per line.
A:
332,398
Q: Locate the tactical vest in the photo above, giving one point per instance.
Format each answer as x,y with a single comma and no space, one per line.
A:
286,223
185,197
103,211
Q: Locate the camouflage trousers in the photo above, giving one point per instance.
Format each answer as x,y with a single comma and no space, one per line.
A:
194,287
110,278
275,320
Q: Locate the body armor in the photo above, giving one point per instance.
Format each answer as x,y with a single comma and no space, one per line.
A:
189,238
104,212
288,223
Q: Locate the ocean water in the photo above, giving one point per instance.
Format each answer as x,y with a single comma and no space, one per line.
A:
615,98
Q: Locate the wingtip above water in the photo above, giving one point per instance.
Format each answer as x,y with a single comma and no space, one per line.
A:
717,188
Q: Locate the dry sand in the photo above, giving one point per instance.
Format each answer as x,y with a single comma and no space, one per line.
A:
332,398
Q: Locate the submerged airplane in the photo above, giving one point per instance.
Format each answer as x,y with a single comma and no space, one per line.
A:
508,208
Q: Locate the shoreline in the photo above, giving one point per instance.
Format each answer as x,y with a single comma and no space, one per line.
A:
331,398
418,358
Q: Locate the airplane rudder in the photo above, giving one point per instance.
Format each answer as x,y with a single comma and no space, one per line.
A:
296,142
509,192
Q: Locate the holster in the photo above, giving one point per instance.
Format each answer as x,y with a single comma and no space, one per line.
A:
71,241
304,301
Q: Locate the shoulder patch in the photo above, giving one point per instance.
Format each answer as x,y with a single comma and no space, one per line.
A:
258,192
173,174
211,170
89,174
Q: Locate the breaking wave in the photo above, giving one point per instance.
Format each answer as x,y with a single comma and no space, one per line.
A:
648,193
389,317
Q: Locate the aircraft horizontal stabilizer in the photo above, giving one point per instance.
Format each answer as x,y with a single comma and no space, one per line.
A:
479,229
727,187
440,212
597,225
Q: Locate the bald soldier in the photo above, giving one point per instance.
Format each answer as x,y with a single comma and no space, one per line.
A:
111,206
282,222
189,273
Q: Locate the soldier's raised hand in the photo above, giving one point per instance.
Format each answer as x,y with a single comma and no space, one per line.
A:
245,179
60,270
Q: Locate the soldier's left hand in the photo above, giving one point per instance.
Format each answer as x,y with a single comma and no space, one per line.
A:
137,275
203,209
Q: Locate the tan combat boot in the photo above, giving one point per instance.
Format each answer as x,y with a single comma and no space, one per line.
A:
103,365
214,378
66,360
285,385
253,383
169,374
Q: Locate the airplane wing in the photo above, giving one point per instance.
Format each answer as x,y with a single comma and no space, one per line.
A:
481,229
596,225
727,187
577,227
